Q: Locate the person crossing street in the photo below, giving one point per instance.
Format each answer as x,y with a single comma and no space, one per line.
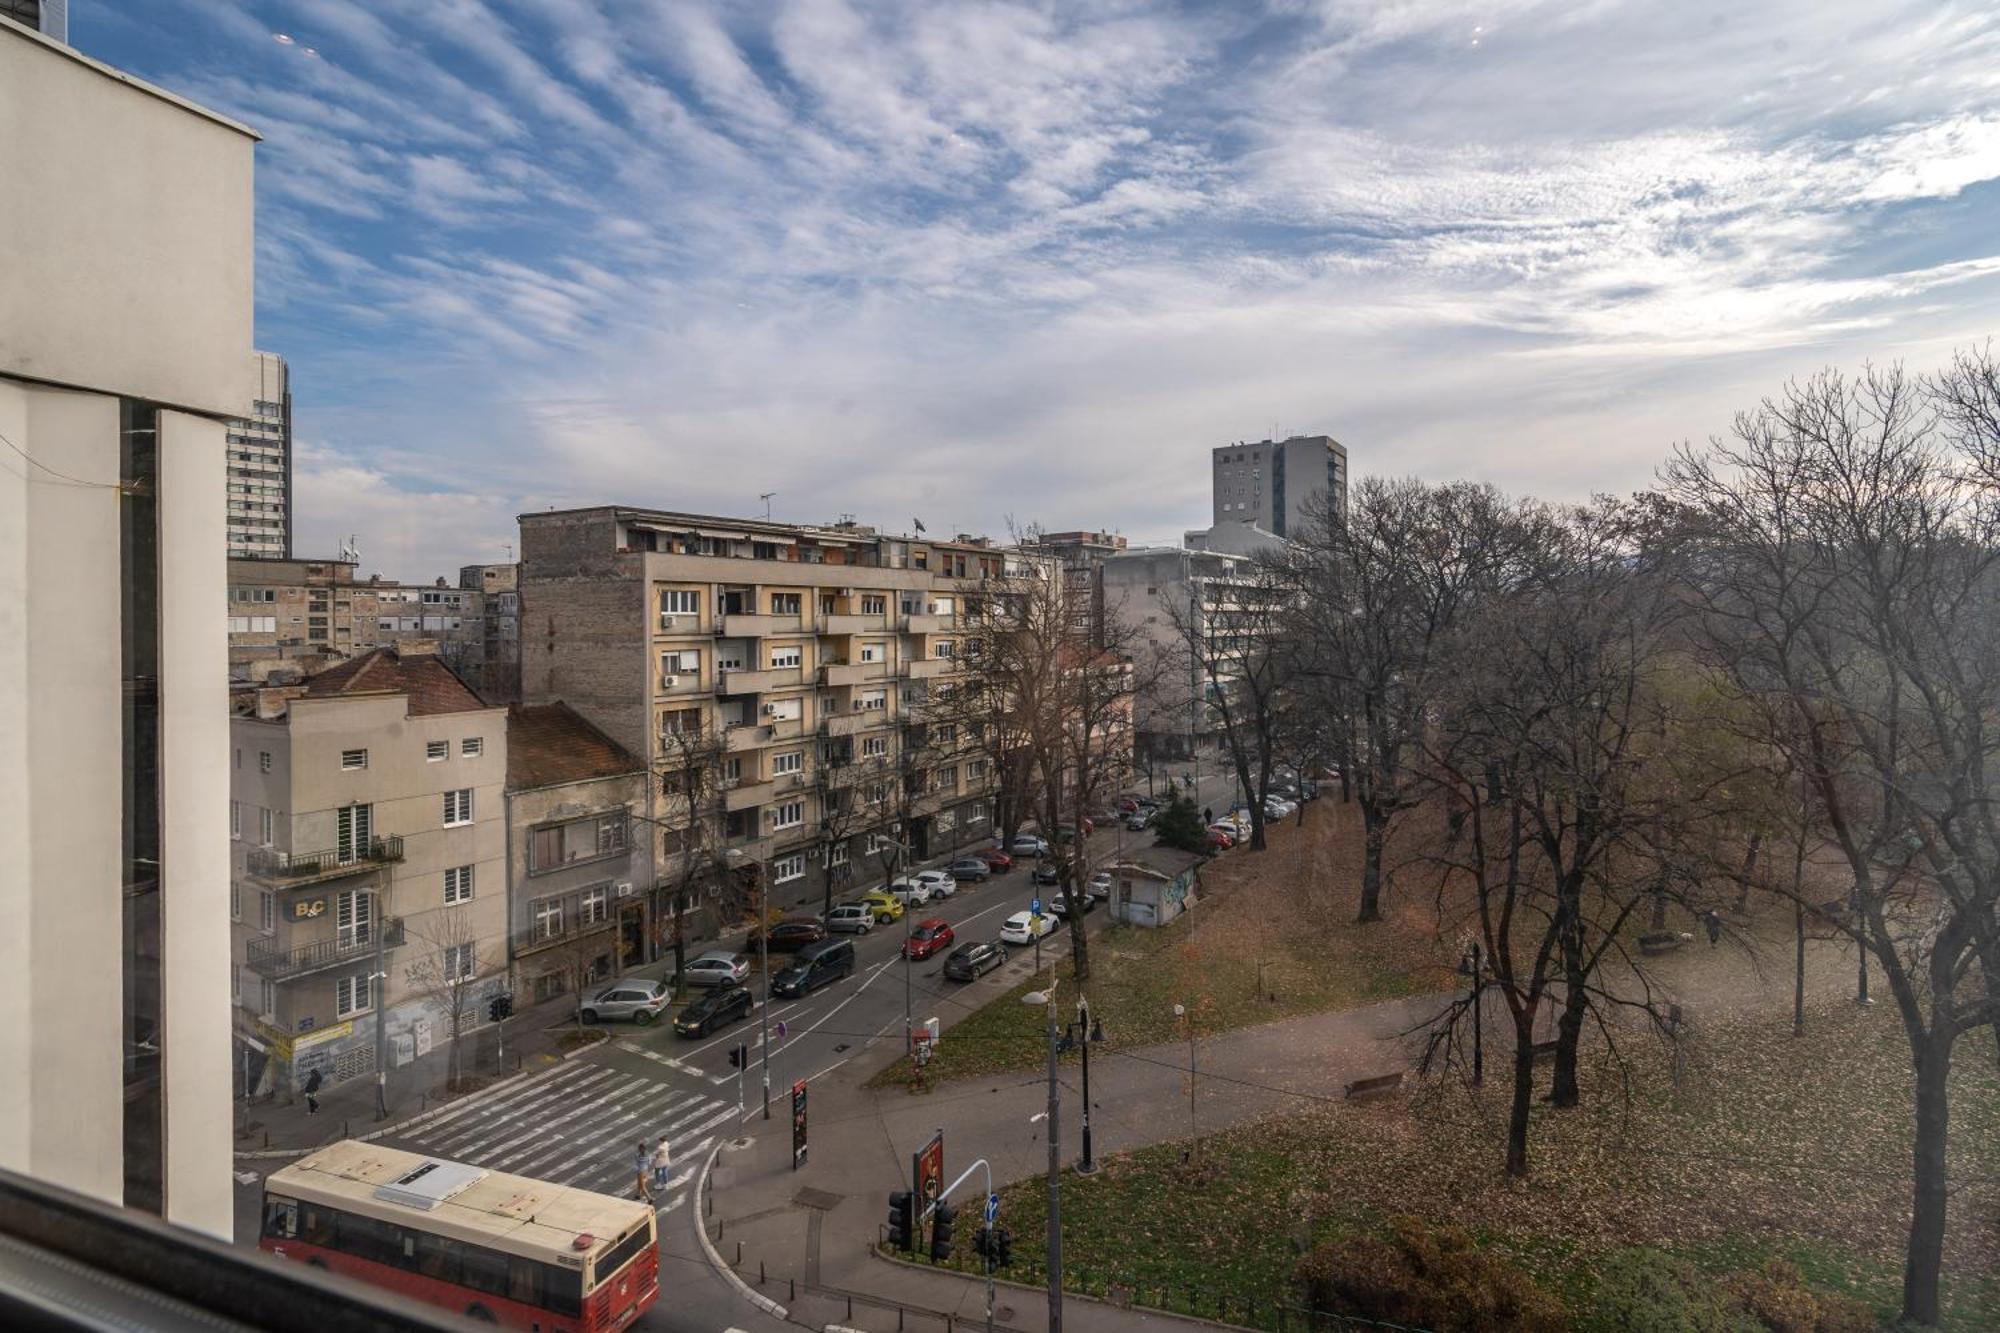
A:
642,1162
662,1161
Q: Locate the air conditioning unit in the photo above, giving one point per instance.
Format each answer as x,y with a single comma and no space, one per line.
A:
624,889
668,682
858,705
770,709
667,621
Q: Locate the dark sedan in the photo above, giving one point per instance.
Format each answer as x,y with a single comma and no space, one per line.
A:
724,1004
968,961
793,934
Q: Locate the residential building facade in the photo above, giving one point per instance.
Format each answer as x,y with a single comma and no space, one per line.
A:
497,676
579,871
260,464
125,320
1273,483
1163,592
302,615
796,663
369,884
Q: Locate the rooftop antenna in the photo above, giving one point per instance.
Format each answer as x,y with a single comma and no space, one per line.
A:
510,552
766,498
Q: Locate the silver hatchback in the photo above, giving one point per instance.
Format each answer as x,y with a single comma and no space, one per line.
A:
636,998
717,967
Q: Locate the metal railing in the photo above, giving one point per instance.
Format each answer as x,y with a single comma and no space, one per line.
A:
279,963
298,865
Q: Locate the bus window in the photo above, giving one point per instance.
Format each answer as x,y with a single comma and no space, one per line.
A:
318,1225
281,1218
524,1281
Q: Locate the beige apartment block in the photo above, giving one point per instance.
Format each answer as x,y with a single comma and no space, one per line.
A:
807,654
368,821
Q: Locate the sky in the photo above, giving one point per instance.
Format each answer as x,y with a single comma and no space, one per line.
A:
990,264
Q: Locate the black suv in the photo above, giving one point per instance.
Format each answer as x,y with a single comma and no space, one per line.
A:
724,1004
967,961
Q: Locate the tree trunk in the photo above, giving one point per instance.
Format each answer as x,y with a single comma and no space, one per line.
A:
1493,784
1524,1095
1749,869
1926,1253
1566,1089
1799,978
680,937
1374,826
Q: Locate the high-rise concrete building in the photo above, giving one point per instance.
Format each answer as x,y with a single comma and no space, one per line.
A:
48,17
260,464
1271,483
125,323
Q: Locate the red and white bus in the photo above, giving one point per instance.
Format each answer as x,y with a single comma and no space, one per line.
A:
504,1249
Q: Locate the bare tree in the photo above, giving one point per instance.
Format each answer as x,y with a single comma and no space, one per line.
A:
1849,576
690,784
446,972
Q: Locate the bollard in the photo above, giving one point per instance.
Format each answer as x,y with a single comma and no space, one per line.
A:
739,1254
267,1138
850,1309
760,1272
899,1319
947,1322
792,1286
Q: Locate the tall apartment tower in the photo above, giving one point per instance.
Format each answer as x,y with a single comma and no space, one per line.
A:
260,465
1271,483
125,323
47,17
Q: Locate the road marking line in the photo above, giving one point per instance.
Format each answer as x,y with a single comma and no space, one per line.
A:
587,1144
532,1087
492,1147
482,1131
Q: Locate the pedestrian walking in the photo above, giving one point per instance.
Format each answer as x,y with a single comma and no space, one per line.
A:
1713,920
311,1091
662,1165
642,1163
1207,814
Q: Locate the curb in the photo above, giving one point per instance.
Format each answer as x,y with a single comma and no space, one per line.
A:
743,1289
515,1080
1148,1311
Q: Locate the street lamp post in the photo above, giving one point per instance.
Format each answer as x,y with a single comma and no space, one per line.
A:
1181,1012
764,965
1048,998
1469,966
1087,1034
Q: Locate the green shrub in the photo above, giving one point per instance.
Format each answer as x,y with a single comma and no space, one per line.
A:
1645,1291
1425,1277
1179,825
1781,1302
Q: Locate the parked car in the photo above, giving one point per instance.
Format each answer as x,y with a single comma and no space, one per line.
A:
882,905
1029,844
637,998
1139,820
1059,904
851,919
816,965
724,1004
1068,835
1046,872
968,961
1309,790
1100,885
1219,839
1278,808
717,967
929,937
792,934
1026,927
1128,805
996,860
909,893
939,882
972,868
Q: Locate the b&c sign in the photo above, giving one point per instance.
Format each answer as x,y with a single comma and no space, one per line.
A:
798,1124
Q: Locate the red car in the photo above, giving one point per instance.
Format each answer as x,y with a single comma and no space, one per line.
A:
997,859
929,937
1219,840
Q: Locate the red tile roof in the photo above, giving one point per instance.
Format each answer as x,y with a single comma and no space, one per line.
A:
432,686
549,743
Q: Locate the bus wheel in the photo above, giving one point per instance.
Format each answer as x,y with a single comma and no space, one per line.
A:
315,1262
480,1313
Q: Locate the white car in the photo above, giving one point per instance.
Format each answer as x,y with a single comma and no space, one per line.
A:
940,884
1100,885
1026,927
1278,808
1028,844
910,892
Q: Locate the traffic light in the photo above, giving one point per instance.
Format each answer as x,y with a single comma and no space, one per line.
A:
982,1243
499,1007
903,1220
1003,1247
739,1056
941,1220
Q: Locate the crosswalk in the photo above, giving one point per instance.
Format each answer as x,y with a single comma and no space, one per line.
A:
579,1126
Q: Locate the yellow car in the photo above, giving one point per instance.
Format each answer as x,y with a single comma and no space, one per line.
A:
881,905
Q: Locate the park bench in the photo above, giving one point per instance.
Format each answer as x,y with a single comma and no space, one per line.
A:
1379,1086
1661,941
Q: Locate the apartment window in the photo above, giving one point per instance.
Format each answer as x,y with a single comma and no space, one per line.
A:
236,983
263,761
459,962
975,770
593,905
945,822
350,995
788,868
837,855
873,605
945,734
472,747
877,793
948,777
354,830
873,701
785,710
352,759
267,999
555,845
944,648
680,662
458,807
264,822
941,606
784,603
732,769
235,901
353,915
678,602
236,819
872,652
267,911
792,761
436,751
912,606
976,815
680,722
790,814
785,657
874,747
457,885
548,918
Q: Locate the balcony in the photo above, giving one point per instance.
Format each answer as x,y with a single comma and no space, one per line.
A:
852,624
305,867
744,795
916,623
685,682
757,682
533,939
741,737
279,963
741,851
925,668
853,673
748,625
790,782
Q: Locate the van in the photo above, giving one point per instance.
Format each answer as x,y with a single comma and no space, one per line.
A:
817,964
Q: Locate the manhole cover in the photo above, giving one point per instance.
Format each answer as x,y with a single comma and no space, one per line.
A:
823,1200
738,1145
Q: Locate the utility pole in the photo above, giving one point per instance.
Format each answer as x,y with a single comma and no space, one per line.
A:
375,923
1085,1036
1055,1175
764,963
